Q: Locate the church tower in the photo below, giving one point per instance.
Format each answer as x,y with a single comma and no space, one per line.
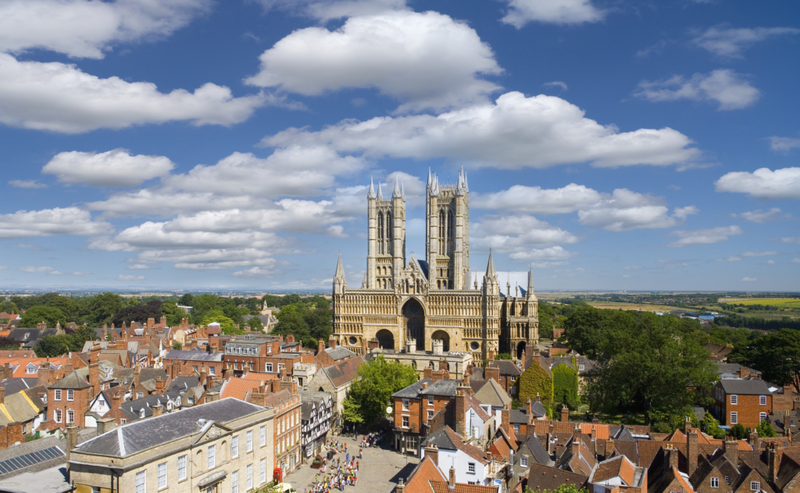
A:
386,256
447,233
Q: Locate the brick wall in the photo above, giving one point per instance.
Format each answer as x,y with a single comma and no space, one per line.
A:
748,410
10,435
79,405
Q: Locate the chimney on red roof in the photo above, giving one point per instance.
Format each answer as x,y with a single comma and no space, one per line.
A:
492,372
451,478
433,452
116,400
691,440
505,417
529,410
576,432
754,441
163,322
731,448
332,342
8,372
564,413
43,376
203,375
320,346
228,374
159,385
94,375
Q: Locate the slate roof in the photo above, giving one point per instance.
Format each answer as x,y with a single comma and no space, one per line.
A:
193,355
142,435
445,388
412,391
72,381
339,353
548,478
14,385
345,372
745,387
537,450
507,368
132,409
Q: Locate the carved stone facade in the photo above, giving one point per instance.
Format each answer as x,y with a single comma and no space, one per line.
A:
419,301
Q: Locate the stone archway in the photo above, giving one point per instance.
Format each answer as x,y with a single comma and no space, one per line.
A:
414,322
444,337
521,350
385,339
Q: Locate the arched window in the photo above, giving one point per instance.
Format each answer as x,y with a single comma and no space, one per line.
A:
380,232
442,231
450,231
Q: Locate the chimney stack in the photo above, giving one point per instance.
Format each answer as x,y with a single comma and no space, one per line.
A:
72,440
320,346
94,375
332,342
433,452
461,413
2,395
673,456
228,374
157,410
159,385
43,376
492,372
8,372
451,479
754,441
564,413
105,425
731,448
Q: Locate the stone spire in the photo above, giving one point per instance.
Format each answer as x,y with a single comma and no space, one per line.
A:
530,282
461,187
397,193
403,190
434,188
430,179
490,266
371,194
339,280
466,183
380,190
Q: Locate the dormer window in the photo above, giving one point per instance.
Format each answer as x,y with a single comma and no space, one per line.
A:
30,369
141,413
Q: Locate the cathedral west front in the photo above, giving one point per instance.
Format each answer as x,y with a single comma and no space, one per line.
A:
412,303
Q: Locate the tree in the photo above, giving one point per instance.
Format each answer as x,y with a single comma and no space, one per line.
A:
137,312
291,321
177,345
37,314
52,346
7,344
173,313
8,307
226,324
775,355
738,431
255,324
565,385
764,429
648,363
711,426
372,393
186,300
81,335
103,307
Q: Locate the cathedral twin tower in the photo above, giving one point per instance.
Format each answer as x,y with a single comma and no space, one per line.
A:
410,304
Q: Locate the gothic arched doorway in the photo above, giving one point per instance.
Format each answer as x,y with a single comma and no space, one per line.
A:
521,350
444,337
414,322
385,339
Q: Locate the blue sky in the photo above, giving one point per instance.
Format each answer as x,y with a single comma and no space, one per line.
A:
199,144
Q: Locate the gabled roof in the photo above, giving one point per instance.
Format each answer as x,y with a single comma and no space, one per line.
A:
182,383
745,387
238,388
507,368
146,434
277,398
492,393
549,478
194,355
339,353
345,372
420,478
537,450
72,381
446,438
616,467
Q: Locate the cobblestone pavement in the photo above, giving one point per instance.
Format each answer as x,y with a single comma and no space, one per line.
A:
380,469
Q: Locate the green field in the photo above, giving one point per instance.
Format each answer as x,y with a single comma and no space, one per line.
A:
779,302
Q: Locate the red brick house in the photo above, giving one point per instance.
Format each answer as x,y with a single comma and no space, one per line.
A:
744,402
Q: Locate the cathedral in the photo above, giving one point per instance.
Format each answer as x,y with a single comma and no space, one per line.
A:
426,303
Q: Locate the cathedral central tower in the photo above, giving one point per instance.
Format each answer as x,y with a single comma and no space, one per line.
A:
447,233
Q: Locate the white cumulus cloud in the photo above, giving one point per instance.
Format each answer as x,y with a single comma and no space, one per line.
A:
326,10
731,90
539,254
26,184
513,133
729,259
49,222
62,98
703,236
536,200
761,217
763,183
626,210
522,236
115,168
521,12
425,60
783,144
727,41
87,28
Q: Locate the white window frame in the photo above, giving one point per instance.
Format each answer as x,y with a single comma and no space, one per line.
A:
249,440
212,457
523,462
181,468
268,367
263,471
70,395
162,476
141,482
406,404
430,400
263,432
762,417
734,400
249,476
57,415
234,446
406,421
70,416
57,395
235,482
212,370
471,468
715,482
734,418
430,414
762,400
